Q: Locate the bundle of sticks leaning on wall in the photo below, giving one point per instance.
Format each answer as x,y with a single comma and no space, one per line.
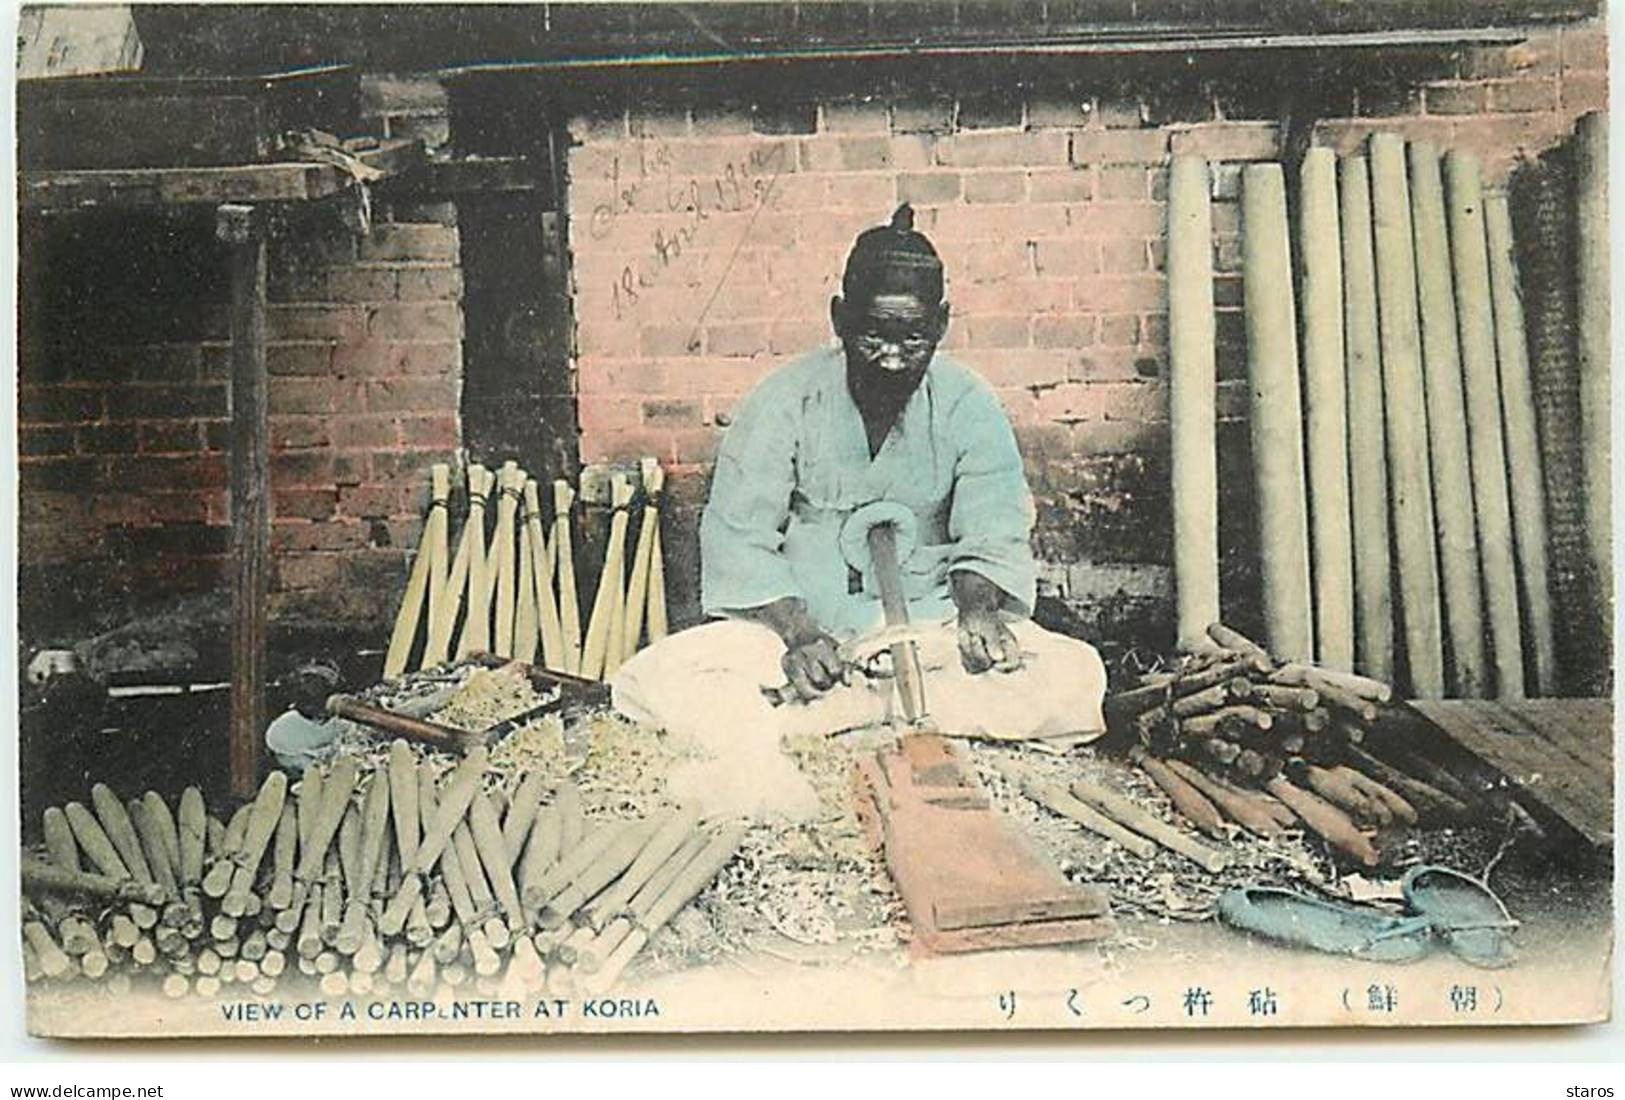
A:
1231,734
510,586
362,880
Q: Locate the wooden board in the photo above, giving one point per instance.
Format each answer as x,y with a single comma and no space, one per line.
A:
970,883
1558,751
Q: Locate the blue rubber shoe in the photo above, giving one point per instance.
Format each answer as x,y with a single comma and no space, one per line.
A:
1464,912
1298,920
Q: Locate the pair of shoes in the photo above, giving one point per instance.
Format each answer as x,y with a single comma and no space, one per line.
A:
1445,905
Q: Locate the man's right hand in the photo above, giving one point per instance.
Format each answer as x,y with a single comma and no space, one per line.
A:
812,665
812,660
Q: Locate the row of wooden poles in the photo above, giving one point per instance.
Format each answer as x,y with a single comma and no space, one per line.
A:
510,589
1399,363
366,880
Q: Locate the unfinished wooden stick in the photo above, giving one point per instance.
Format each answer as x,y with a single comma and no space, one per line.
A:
461,785
115,820
541,853
611,584
476,636
1399,808
436,537
661,846
38,875
572,862
418,582
657,628
1524,459
1130,816
1186,799
1275,416
263,817
1054,798
1367,459
1447,426
337,787
1192,389
154,848
1421,794
1328,822
503,578
569,609
1492,508
94,842
1409,480
525,627
443,620
610,863
637,592
1592,316
521,814
493,854
547,608
1236,806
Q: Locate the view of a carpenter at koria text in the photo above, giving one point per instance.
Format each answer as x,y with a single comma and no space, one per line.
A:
814,516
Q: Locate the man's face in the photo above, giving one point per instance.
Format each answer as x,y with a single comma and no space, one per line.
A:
889,340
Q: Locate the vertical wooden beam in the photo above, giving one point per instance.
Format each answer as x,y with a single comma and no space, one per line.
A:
1409,482
242,228
1326,409
1368,461
1192,382
1276,412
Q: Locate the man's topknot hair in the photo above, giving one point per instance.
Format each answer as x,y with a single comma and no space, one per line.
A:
893,258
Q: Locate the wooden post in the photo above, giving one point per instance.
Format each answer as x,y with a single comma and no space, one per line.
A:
242,228
1592,318
1524,458
1192,382
1368,463
1326,407
1447,427
1409,483
1276,413
1474,312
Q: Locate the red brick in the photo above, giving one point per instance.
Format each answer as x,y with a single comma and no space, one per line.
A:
1109,364
167,471
162,362
294,433
428,282
432,322
1119,146
1124,256
1585,47
1523,95
315,322
374,501
410,465
1066,331
1032,296
303,503
384,94
865,116
736,340
1585,91
873,194
626,444
394,395
58,404
410,242
877,153
363,432
695,445
604,413
1348,136
1066,257
360,283
1120,329
1061,185
995,186
186,507
1111,219
672,412
1001,150
302,468
994,331
1004,223
1013,367
1508,135
303,535
609,376
1058,113
1123,181
669,340
1119,437
175,437
1121,294
1455,99
1142,401
307,571
1228,141
1537,55
312,395
306,358
45,441
994,260
924,115
110,439
167,402
794,337
1069,402
928,187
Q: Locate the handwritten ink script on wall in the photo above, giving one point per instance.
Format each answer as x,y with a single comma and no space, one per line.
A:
646,181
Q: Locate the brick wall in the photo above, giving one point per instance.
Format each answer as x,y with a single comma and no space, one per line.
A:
707,240
124,413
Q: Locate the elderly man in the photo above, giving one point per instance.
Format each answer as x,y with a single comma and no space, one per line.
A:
877,424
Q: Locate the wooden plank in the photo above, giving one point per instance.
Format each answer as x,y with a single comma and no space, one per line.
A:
253,183
1515,727
240,228
1584,728
1579,794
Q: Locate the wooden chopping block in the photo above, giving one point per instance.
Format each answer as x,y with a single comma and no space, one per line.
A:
968,880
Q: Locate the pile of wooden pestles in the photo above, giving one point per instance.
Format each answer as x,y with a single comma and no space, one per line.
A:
1233,734
365,880
510,587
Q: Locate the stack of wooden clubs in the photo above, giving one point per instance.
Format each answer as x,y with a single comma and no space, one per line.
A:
365,880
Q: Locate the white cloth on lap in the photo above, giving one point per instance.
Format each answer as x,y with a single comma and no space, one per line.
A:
706,684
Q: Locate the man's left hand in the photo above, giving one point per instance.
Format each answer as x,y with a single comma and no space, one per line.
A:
986,642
